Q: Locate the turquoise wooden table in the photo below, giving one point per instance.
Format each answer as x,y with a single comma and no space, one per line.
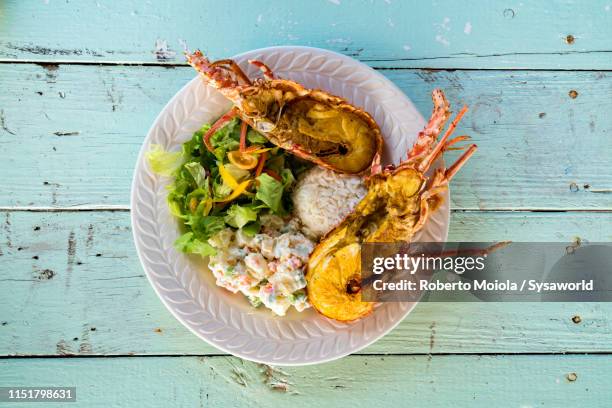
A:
82,82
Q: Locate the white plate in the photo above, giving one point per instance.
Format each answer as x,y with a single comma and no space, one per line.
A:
185,285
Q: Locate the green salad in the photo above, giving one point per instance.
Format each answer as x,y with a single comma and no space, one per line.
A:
225,178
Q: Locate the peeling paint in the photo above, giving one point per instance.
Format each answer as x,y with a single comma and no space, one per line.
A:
468,28
38,50
3,124
50,71
276,379
115,96
162,51
71,133
432,336
71,254
45,274
90,236
63,349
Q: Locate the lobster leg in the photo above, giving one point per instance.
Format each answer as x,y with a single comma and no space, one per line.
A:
456,140
222,121
376,167
430,198
267,72
442,177
233,67
431,157
427,137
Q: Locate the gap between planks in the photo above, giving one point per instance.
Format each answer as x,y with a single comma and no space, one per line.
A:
220,354
172,65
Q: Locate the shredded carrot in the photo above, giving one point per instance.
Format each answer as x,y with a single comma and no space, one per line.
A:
260,165
273,174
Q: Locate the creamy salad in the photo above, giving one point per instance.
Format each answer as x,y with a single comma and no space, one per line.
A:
268,267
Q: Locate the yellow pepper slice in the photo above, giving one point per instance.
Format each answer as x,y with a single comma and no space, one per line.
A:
258,151
241,188
227,177
193,203
207,206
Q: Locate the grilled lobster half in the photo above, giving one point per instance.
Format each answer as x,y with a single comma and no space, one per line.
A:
309,123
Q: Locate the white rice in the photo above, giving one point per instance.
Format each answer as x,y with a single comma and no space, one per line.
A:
323,198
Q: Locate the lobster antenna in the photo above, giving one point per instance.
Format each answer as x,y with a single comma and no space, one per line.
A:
452,170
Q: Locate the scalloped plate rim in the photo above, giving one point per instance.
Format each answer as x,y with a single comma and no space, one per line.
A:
134,187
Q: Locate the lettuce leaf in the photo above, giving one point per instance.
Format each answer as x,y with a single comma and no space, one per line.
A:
254,137
221,190
226,139
237,173
188,243
194,146
206,226
198,173
177,194
238,216
288,179
270,192
251,228
162,162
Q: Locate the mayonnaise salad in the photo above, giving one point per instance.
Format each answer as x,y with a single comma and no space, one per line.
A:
268,267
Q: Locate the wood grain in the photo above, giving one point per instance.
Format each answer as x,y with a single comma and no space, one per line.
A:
431,34
357,381
70,130
70,133
76,287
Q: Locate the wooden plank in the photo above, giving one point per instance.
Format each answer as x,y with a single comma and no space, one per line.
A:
439,381
73,136
433,34
73,285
